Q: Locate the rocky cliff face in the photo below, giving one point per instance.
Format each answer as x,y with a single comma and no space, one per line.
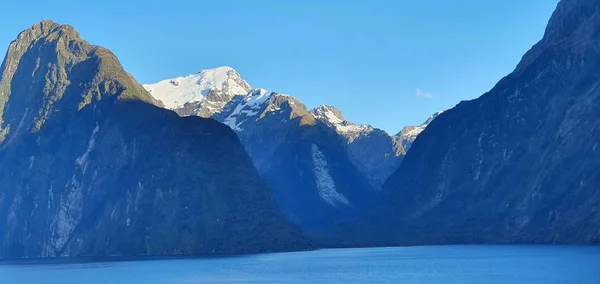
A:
520,163
91,167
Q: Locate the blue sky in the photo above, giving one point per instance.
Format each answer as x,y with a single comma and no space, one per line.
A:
389,63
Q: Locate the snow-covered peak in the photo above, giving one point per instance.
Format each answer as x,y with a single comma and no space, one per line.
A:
329,114
409,133
177,92
333,117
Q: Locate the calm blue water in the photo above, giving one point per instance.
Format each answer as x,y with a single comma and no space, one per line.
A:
442,264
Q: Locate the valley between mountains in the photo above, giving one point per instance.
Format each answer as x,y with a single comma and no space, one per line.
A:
92,163
322,168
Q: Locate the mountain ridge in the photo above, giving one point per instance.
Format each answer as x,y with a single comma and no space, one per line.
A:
154,88
373,151
315,160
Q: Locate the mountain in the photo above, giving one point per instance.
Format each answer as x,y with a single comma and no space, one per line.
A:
373,151
303,160
92,167
202,94
408,134
517,165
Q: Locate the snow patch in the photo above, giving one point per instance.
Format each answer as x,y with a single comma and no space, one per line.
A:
328,114
249,107
353,131
324,181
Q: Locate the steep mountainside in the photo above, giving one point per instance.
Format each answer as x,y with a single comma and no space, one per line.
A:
520,163
304,161
373,151
90,167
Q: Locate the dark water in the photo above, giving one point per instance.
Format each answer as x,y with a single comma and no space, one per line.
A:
435,264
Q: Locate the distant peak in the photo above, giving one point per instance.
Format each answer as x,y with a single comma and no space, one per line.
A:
328,114
223,78
221,69
410,133
216,85
432,117
327,108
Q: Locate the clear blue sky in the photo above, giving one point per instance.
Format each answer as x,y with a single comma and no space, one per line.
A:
368,58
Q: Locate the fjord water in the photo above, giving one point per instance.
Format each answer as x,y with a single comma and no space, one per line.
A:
433,264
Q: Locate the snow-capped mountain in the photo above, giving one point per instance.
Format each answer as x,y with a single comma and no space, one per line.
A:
202,94
409,134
